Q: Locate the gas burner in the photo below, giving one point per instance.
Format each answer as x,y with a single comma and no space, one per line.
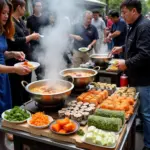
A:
78,91
47,107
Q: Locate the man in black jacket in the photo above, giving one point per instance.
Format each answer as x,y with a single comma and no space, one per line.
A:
137,51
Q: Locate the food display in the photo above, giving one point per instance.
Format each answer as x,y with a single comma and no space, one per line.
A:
78,74
77,111
99,137
111,114
126,92
16,115
64,126
93,96
116,102
39,119
111,88
105,123
46,89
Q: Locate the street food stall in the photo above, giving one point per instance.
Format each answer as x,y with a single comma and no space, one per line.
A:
101,116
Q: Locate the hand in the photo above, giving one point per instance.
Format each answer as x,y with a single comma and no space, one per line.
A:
117,50
78,38
19,55
121,65
89,47
35,36
21,70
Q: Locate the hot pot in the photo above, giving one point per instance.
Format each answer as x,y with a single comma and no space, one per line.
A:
80,81
50,99
101,60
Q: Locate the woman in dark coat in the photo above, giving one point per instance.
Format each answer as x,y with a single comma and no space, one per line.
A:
21,43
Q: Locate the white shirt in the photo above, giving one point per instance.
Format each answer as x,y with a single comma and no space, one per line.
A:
100,26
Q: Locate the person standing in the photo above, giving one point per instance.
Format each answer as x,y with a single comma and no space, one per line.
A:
118,31
7,31
21,42
85,35
99,23
35,23
137,52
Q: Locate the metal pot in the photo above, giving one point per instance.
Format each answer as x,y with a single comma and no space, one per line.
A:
50,99
81,81
101,60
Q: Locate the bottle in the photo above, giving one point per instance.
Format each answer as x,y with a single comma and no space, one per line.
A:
123,80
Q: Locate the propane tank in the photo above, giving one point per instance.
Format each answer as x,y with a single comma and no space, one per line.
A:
123,80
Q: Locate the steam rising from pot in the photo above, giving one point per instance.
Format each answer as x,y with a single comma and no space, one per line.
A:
56,40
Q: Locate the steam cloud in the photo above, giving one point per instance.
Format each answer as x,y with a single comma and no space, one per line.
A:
55,41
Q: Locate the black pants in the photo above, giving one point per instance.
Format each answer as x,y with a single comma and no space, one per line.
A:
19,94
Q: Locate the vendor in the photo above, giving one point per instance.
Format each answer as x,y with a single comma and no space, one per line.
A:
137,52
85,35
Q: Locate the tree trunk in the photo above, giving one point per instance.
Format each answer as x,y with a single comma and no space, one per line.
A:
107,6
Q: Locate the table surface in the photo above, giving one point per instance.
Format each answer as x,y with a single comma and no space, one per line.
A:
62,144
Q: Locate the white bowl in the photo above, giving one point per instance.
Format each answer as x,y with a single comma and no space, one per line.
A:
83,49
3,117
40,127
34,64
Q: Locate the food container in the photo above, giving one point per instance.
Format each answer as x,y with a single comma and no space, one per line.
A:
101,60
48,99
80,81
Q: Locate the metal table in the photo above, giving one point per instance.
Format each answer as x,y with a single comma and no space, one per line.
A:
125,145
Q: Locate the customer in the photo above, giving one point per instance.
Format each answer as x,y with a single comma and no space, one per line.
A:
35,23
118,31
85,35
137,61
21,42
7,31
99,23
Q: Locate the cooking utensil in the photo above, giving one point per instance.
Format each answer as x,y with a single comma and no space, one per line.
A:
101,60
49,99
80,81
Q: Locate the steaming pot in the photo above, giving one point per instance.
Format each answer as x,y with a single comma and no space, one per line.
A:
48,99
101,60
80,81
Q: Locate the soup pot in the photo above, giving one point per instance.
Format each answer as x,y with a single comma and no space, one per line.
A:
50,99
101,60
80,81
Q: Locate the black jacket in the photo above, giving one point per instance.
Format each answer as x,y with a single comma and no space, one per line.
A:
19,43
137,51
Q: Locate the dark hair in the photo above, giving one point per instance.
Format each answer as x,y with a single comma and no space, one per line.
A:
130,4
8,29
36,1
113,14
95,12
16,3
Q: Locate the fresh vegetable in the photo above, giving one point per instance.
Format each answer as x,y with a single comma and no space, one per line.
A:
110,114
100,137
16,114
110,124
80,132
56,127
39,119
63,126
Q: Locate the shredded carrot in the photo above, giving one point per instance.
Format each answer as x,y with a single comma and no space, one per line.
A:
27,64
39,119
